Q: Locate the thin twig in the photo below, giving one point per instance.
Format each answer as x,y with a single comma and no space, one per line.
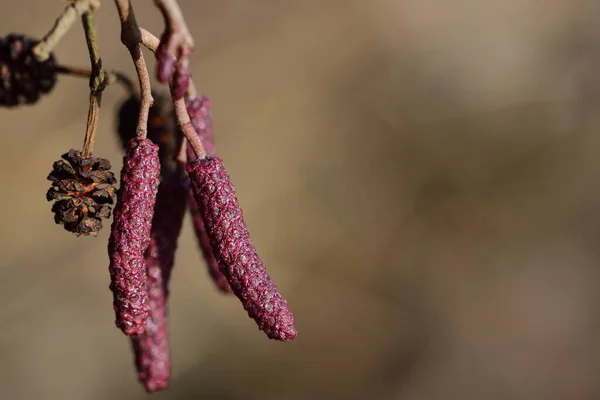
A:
151,42
97,81
63,23
131,37
110,76
176,41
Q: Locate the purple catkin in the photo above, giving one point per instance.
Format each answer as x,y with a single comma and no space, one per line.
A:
130,234
151,348
212,265
199,111
169,212
234,250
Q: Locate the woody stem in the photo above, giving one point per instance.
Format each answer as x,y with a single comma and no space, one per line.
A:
131,38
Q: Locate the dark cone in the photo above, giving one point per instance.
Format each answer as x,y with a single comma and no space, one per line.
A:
23,79
82,188
162,128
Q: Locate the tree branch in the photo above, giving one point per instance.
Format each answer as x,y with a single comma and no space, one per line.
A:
131,38
63,23
152,43
97,81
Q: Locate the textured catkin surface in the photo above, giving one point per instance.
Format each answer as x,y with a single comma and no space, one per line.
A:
199,111
151,348
212,265
171,205
235,252
130,234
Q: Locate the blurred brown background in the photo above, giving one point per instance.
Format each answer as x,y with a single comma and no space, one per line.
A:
419,176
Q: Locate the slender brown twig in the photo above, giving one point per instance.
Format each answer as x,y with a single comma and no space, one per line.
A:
97,81
63,23
111,76
131,38
151,42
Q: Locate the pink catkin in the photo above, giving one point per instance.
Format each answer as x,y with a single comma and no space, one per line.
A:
212,265
130,235
235,252
151,348
199,111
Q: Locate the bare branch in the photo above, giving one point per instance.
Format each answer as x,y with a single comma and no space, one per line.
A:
151,42
63,23
131,38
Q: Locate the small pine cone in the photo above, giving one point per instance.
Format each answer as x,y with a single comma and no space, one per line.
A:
151,348
82,188
23,79
199,110
162,128
235,252
212,265
130,234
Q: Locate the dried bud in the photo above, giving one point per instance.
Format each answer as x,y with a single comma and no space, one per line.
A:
130,234
234,250
23,79
82,188
162,128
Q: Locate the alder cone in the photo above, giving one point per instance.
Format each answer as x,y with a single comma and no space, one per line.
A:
83,192
235,252
23,79
162,128
130,234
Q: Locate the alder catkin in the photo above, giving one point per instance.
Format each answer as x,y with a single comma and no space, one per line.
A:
130,234
235,252
199,110
212,265
151,348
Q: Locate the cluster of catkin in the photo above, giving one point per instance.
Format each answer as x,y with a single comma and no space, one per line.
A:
170,168
148,218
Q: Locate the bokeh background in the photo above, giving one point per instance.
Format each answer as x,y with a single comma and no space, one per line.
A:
419,176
